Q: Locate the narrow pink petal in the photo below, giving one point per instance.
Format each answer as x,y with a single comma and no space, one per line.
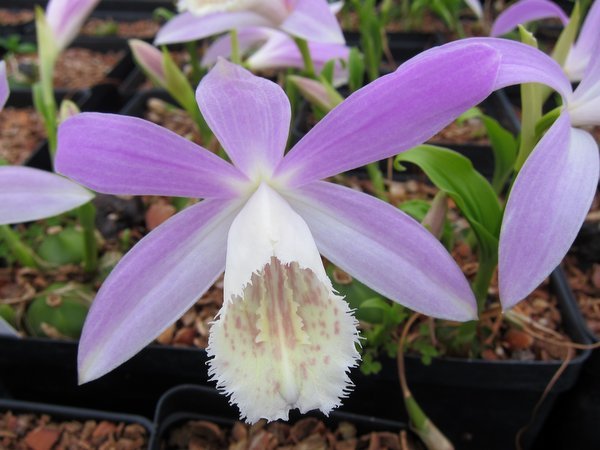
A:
186,27
527,11
153,285
65,18
30,194
249,115
3,85
522,64
248,39
394,113
149,58
313,20
385,249
547,206
117,154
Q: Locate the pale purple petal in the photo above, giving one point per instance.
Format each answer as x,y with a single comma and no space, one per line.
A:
280,51
547,206
586,47
336,7
394,113
584,105
589,36
3,85
476,7
249,115
186,27
30,194
125,155
248,39
65,18
149,58
385,249
313,20
522,64
527,11
153,285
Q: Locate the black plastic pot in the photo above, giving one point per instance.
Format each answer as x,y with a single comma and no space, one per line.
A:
478,404
190,402
574,421
63,413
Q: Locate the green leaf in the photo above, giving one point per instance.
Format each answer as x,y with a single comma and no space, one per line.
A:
418,209
357,295
505,148
356,69
327,71
567,37
473,195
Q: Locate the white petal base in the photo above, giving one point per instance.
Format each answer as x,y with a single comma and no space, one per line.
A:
287,342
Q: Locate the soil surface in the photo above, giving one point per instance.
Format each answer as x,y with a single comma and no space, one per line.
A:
15,16
306,434
21,132
42,432
76,68
125,29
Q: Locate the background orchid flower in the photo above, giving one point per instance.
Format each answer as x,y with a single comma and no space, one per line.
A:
66,17
313,20
282,331
582,50
272,49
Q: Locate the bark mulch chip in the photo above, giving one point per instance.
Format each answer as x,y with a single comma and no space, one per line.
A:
306,434
15,16
42,432
21,132
77,68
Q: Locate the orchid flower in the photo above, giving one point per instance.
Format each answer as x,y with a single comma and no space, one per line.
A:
580,54
66,17
272,49
313,20
283,338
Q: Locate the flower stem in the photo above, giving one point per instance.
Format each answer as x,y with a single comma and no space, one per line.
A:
87,219
482,281
24,254
432,437
194,61
309,66
377,179
235,47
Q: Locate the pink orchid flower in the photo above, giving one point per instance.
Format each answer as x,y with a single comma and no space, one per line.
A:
283,338
313,20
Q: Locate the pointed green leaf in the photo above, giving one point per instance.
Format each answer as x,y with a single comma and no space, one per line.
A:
473,195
